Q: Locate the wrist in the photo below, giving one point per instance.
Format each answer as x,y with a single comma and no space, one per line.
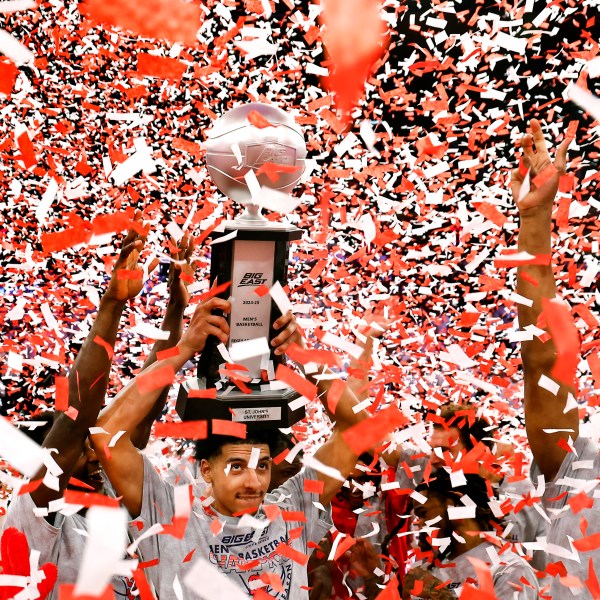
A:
109,300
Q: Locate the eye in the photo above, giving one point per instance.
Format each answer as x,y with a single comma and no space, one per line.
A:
236,467
264,466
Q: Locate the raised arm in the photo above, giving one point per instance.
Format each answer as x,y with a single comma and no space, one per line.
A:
179,297
89,376
123,463
543,410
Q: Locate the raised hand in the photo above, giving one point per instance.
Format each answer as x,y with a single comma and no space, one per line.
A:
205,323
127,278
181,272
537,161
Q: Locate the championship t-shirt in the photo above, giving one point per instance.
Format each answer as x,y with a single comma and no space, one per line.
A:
578,474
508,575
242,553
61,543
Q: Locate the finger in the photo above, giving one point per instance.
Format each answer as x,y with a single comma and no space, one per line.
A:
155,262
538,138
189,250
216,303
283,320
128,249
561,154
527,147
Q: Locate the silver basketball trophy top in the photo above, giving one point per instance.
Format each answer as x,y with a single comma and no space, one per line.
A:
234,145
252,151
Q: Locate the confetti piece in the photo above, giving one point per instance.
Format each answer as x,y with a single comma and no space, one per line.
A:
190,430
157,379
13,49
206,581
566,340
296,381
89,499
104,549
19,450
62,393
161,67
241,351
162,19
231,428
367,434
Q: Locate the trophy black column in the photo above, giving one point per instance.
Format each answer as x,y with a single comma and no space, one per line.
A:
256,256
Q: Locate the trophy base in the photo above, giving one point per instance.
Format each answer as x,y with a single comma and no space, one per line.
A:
268,409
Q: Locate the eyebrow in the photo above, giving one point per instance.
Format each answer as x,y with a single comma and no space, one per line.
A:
237,459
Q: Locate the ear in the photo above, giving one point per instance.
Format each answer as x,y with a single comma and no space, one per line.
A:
206,470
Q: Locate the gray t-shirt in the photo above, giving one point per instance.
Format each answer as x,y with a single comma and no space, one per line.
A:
510,570
60,543
580,471
234,547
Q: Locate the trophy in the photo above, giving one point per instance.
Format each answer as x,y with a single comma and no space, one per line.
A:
246,146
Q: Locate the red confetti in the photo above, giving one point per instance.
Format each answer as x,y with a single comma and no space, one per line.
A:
223,427
66,591
314,486
171,20
89,499
297,382
208,393
27,152
214,291
369,433
257,120
127,274
190,430
62,393
566,340
142,585
168,353
160,67
109,349
156,379
8,76
292,554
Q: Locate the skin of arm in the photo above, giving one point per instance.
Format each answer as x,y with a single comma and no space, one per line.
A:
429,586
179,298
543,410
88,379
125,467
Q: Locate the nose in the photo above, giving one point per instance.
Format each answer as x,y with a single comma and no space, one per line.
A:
436,461
90,454
251,479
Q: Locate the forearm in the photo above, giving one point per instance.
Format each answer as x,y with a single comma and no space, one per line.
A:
535,282
134,402
89,376
173,323
344,414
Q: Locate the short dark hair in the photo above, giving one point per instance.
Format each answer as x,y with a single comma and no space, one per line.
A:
210,448
476,488
471,428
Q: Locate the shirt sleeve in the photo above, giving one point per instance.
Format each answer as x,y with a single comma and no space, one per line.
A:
585,450
292,497
40,534
158,505
509,579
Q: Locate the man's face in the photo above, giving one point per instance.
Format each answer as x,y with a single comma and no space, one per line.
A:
236,487
432,516
88,468
442,441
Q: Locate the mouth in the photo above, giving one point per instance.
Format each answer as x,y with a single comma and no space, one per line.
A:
96,476
251,499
